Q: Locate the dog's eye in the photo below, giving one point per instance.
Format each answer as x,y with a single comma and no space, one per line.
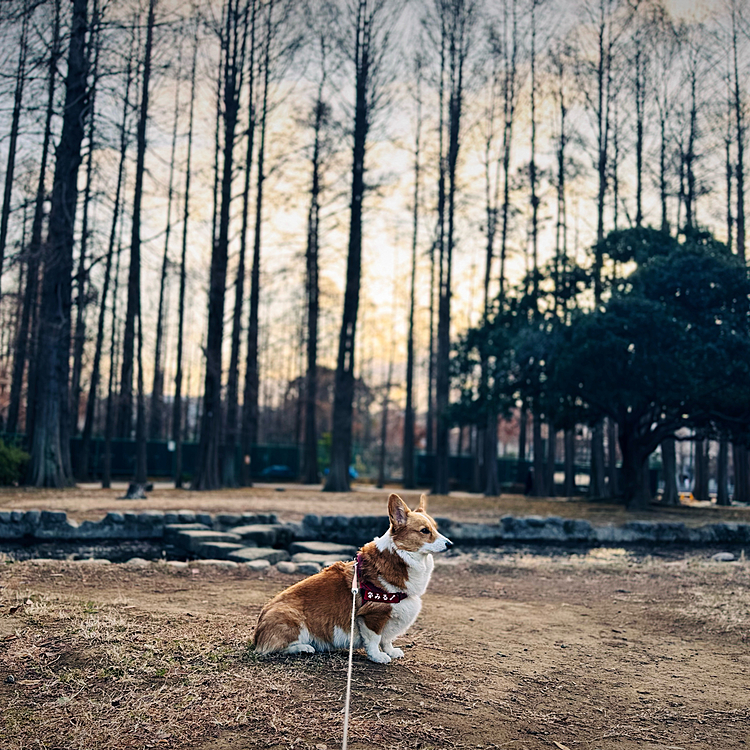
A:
425,530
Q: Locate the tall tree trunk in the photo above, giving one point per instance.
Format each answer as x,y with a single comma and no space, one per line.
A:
457,46
522,469
722,474
551,460
229,467
570,458
510,110
603,92
177,418
384,423
156,416
640,102
79,336
140,421
613,489
110,414
408,441
310,456
249,428
34,250
125,406
540,487
208,476
50,447
669,464
83,465
338,475
13,141
738,112
700,486
741,461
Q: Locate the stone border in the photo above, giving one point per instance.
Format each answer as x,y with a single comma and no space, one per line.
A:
45,525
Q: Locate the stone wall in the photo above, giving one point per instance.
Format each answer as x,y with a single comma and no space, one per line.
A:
35,525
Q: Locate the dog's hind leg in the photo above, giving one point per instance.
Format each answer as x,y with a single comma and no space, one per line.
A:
299,648
279,631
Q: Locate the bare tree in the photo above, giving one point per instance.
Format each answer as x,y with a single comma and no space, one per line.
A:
133,311
177,428
23,46
88,426
208,475
34,250
156,415
79,334
370,41
232,418
408,442
50,446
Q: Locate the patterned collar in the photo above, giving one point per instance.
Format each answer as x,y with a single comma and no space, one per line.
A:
372,593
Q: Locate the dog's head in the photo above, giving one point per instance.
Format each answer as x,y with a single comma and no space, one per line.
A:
414,530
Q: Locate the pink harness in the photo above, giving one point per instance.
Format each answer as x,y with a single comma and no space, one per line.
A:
372,593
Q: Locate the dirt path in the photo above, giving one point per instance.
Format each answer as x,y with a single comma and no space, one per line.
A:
595,651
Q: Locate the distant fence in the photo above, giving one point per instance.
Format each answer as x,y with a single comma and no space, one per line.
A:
160,458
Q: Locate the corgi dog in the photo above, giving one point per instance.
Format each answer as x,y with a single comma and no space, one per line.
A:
393,572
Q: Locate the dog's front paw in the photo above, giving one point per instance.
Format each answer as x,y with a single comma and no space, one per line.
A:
379,657
393,652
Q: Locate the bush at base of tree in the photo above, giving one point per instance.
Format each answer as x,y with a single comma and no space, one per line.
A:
13,463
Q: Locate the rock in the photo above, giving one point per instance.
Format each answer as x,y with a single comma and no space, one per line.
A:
286,567
95,561
475,533
43,561
218,550
171,530
257,565
216,563
307,568
723,557
138,562
263,534
259,553
228,519
191,539
178,564
331,550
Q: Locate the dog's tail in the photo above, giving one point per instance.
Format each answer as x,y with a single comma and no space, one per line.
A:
278,626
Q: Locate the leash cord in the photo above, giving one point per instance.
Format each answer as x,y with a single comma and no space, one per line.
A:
355,587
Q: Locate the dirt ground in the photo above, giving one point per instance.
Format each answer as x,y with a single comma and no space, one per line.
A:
580,651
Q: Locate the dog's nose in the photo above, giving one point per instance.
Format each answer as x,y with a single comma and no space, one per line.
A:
448,544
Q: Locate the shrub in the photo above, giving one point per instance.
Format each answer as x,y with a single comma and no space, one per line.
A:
13,463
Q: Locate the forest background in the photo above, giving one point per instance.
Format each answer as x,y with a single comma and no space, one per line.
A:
193,193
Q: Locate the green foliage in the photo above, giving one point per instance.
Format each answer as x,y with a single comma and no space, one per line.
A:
480,368
13,463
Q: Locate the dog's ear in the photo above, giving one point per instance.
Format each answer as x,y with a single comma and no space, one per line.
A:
422,507
397,510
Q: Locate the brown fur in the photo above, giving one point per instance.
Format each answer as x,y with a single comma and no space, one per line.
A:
321,602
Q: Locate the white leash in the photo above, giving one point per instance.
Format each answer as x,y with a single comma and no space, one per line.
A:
355,588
